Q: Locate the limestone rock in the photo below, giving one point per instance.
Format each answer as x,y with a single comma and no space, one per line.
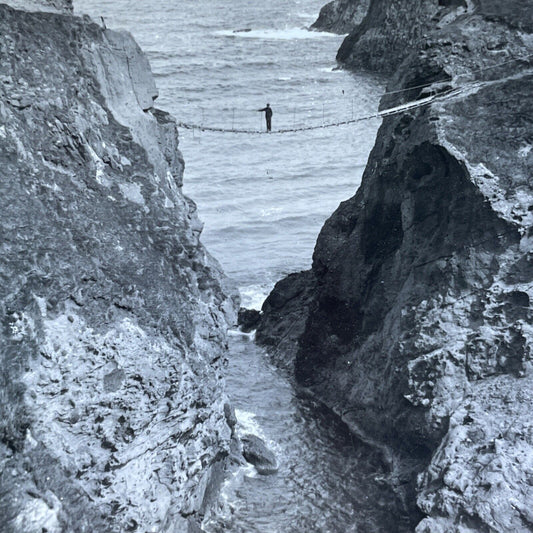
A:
114,316
417,314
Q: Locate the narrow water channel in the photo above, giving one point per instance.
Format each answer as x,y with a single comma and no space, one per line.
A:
263,199
328,481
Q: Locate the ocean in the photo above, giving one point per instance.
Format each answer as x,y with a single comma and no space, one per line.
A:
263,199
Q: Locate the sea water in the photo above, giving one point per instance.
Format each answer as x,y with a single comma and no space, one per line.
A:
263,199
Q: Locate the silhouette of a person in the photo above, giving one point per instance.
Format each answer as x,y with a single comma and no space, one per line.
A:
268,116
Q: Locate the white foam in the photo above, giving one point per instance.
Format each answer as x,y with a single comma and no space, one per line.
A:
286,34
253,296
331,69
268,212
238,333
247,423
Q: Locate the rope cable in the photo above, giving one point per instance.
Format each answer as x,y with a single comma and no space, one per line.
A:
380,114
429,84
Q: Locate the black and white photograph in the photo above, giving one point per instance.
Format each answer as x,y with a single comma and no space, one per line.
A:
266,267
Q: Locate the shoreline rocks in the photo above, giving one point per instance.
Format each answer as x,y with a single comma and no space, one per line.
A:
248,319
256,453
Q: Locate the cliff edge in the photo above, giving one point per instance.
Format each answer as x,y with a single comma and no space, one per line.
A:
415,322
341,16
392,30
113,314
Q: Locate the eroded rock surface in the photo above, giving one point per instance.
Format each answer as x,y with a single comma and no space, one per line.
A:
341,16
394,29
418,326
54,6
256,452
113,314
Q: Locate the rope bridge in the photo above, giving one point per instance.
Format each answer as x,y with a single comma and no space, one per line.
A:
380,114
440,96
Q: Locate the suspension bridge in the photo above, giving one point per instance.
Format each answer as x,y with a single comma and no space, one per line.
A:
440,89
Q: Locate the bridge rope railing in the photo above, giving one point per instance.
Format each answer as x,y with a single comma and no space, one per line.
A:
380,114
438,96
470,73
444,95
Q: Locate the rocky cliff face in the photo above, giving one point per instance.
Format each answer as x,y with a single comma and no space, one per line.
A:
415,321
113,314
392,30
341,16
53,6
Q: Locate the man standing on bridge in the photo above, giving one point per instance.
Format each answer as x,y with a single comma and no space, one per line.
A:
268,116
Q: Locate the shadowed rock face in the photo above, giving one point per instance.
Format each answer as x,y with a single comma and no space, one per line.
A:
284,316
416,323
113,314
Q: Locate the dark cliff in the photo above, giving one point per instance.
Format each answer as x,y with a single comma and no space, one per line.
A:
113,314
393,29
414,323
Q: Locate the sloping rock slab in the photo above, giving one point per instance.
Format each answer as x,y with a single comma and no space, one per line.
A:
257,454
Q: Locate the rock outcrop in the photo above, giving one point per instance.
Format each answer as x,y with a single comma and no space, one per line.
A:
389,32
394,29
341,16
52,6
415,322
256,452
248,319
114,316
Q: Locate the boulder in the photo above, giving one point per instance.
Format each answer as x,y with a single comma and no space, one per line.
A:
248,319
256,453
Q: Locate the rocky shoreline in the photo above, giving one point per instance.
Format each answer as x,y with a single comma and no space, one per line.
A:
414,323
113,411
